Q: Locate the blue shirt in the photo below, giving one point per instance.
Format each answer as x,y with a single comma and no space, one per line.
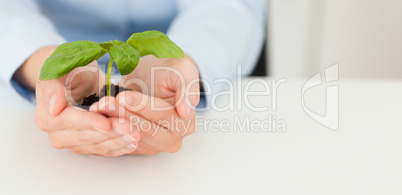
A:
217,35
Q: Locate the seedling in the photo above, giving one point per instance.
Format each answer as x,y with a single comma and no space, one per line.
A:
127,54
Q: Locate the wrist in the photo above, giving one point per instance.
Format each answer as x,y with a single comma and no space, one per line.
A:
28,73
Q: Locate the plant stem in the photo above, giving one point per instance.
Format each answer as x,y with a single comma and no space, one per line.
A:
108,75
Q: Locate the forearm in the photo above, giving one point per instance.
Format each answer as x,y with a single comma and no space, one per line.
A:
28,73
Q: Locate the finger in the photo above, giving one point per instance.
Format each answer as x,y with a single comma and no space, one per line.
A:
72,137
71,118
161,130
151,108
127,138
155,110
43,117
151,112
154,133
52,96
125,128
140,128
105,104
186,86
108,146
145,149
121,152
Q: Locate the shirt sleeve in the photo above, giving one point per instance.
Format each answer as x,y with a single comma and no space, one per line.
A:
23,30
219,36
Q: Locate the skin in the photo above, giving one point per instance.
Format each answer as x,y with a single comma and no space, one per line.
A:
101,131
160,136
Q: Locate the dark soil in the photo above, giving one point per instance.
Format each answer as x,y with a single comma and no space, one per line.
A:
88,101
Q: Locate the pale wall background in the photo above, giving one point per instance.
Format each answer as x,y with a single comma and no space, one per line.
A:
364,36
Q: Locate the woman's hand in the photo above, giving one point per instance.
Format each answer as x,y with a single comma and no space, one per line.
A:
175,80
161,106
161,131
68,126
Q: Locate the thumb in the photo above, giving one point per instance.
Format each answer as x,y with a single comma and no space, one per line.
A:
52,96
187,93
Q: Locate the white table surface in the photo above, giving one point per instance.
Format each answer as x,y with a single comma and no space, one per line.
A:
362,157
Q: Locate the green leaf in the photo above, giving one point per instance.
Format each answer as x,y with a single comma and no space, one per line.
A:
68,56
155,43
125,55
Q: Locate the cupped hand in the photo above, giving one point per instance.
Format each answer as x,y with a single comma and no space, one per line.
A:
67,126
78,130
161,131
161,105
175,80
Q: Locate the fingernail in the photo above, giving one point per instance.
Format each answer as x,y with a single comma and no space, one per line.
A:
93,108
100,129
129,139
102,106
51,103
131,146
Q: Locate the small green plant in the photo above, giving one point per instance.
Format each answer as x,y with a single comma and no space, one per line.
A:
127,54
